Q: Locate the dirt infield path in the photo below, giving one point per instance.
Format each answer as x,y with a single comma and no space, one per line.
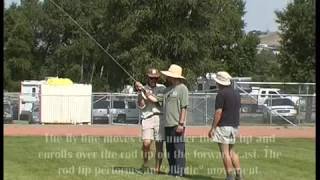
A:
135,131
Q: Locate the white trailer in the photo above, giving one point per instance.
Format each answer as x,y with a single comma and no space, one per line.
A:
56,101
29,97
65,104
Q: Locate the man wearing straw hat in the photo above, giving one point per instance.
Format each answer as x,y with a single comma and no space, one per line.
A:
175,111
225,124
175,102
152,125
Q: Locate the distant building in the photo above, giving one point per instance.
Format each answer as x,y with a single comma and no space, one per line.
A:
270,41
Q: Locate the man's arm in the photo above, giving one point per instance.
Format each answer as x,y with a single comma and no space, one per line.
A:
217,118
217,115
183,98
182,116
143,95
150,96
184,101
182,120
141,102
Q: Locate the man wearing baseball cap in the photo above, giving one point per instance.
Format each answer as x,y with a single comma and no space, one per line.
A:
226,122
152,127
175,102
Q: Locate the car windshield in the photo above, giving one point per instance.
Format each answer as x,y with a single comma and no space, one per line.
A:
119,105
103,104
132,105
281,102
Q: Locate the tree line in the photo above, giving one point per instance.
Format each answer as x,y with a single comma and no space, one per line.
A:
199,35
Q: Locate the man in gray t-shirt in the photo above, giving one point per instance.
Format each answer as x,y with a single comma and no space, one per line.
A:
175,112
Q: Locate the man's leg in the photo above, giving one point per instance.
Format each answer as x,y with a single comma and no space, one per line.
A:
159,138
235,160
169,148
159,155
147,136
224,150
179,151
146,150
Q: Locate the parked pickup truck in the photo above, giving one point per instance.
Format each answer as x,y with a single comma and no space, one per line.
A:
253,101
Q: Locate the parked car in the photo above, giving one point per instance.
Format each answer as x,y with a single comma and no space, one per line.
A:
7,113
253,101
101,110
279,109
35,114
15,110
124,111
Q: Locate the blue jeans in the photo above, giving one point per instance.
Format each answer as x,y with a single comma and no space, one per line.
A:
175,146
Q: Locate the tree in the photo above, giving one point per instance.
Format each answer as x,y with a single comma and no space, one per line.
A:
297,52
266,67
200,35
18,48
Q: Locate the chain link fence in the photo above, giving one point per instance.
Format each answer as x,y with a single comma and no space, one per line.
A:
116,108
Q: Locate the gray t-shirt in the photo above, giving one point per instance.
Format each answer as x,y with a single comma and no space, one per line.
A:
175,98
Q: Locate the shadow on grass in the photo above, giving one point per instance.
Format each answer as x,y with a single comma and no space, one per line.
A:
149,171
131,170
202,177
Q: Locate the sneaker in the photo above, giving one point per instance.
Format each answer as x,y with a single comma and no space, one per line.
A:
238,178
230,177
176,174
158,172
179,176
141,170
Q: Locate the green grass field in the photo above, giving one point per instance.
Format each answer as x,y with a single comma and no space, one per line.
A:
112,158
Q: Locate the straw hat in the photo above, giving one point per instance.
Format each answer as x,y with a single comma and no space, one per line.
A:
222,77
152,72
174,71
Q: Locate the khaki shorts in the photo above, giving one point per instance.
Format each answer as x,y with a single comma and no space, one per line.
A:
152,129
225,135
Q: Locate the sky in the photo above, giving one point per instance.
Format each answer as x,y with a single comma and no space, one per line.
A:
259,13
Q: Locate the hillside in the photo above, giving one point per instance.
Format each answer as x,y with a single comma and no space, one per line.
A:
271,39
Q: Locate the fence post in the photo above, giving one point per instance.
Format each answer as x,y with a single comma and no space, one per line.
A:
206,109
308,106
92,98
271,112
299,104
111,105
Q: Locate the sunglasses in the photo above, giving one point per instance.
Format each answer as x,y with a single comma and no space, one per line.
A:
153,78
